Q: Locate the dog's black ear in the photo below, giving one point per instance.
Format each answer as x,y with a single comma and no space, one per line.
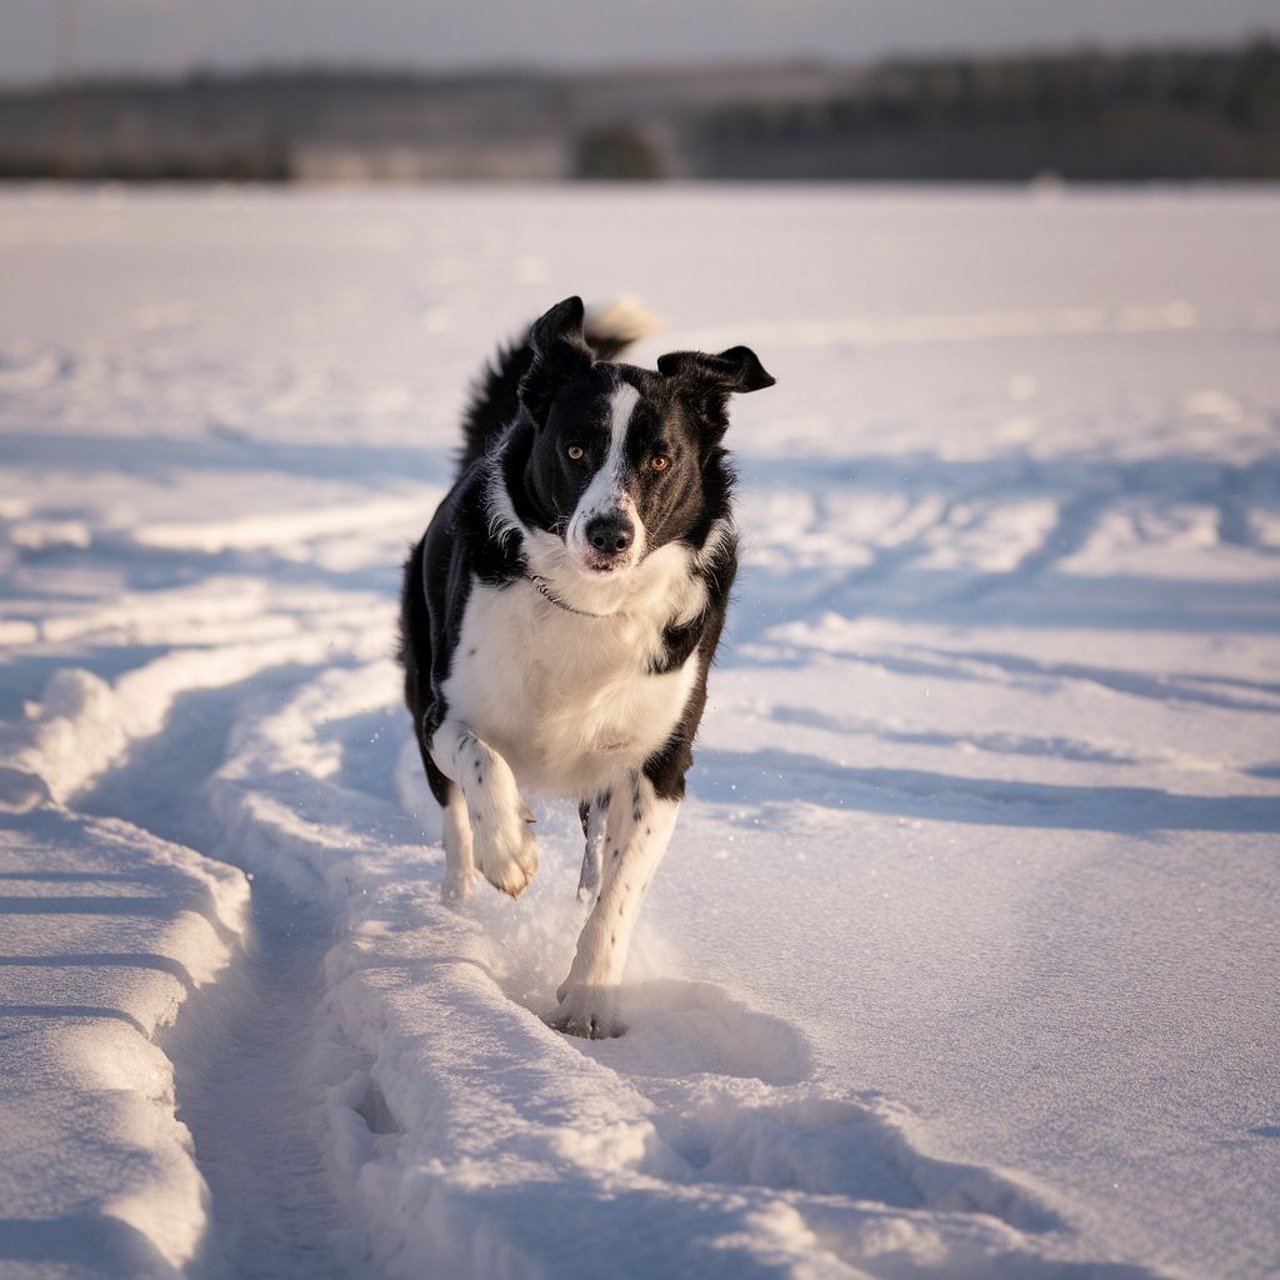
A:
738,369
559,352
703,382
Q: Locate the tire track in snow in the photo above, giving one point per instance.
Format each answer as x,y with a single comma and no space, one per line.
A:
249,1073
251,1089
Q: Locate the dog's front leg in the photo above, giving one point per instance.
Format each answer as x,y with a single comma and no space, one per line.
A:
504,848
637,830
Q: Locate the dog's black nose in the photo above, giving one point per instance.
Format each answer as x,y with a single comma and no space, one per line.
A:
611,534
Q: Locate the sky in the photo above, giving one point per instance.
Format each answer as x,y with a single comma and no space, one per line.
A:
174,35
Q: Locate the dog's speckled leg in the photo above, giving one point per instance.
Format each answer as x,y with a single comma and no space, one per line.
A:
637,831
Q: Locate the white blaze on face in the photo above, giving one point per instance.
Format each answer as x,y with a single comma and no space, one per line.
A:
607,494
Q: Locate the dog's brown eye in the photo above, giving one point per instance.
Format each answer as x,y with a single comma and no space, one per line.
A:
576,452
659,462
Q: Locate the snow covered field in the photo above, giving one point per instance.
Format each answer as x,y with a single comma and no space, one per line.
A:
964,961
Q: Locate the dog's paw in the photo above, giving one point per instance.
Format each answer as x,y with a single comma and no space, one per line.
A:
587,1011
506,850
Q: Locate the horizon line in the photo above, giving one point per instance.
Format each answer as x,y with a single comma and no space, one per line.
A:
196,70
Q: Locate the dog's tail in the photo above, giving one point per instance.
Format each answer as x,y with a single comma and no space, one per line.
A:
609,332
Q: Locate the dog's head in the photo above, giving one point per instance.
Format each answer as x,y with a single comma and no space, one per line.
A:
619,453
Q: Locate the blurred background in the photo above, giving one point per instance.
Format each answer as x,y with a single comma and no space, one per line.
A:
399,90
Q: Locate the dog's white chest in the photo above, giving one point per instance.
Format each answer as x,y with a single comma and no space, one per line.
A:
569,701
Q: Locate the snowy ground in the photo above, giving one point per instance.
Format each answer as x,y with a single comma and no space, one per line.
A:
964,961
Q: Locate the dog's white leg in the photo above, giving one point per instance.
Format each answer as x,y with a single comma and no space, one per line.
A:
504,848
460,865
593,854
638,828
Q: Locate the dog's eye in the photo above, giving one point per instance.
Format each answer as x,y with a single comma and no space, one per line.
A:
576,452
660,462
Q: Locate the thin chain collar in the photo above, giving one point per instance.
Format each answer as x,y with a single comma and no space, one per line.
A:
540,586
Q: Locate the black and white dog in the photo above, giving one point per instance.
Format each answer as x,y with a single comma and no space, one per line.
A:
559,616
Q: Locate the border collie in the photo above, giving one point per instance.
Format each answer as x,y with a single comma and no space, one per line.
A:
559,616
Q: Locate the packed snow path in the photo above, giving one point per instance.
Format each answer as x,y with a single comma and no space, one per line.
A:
247,1084
964,959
